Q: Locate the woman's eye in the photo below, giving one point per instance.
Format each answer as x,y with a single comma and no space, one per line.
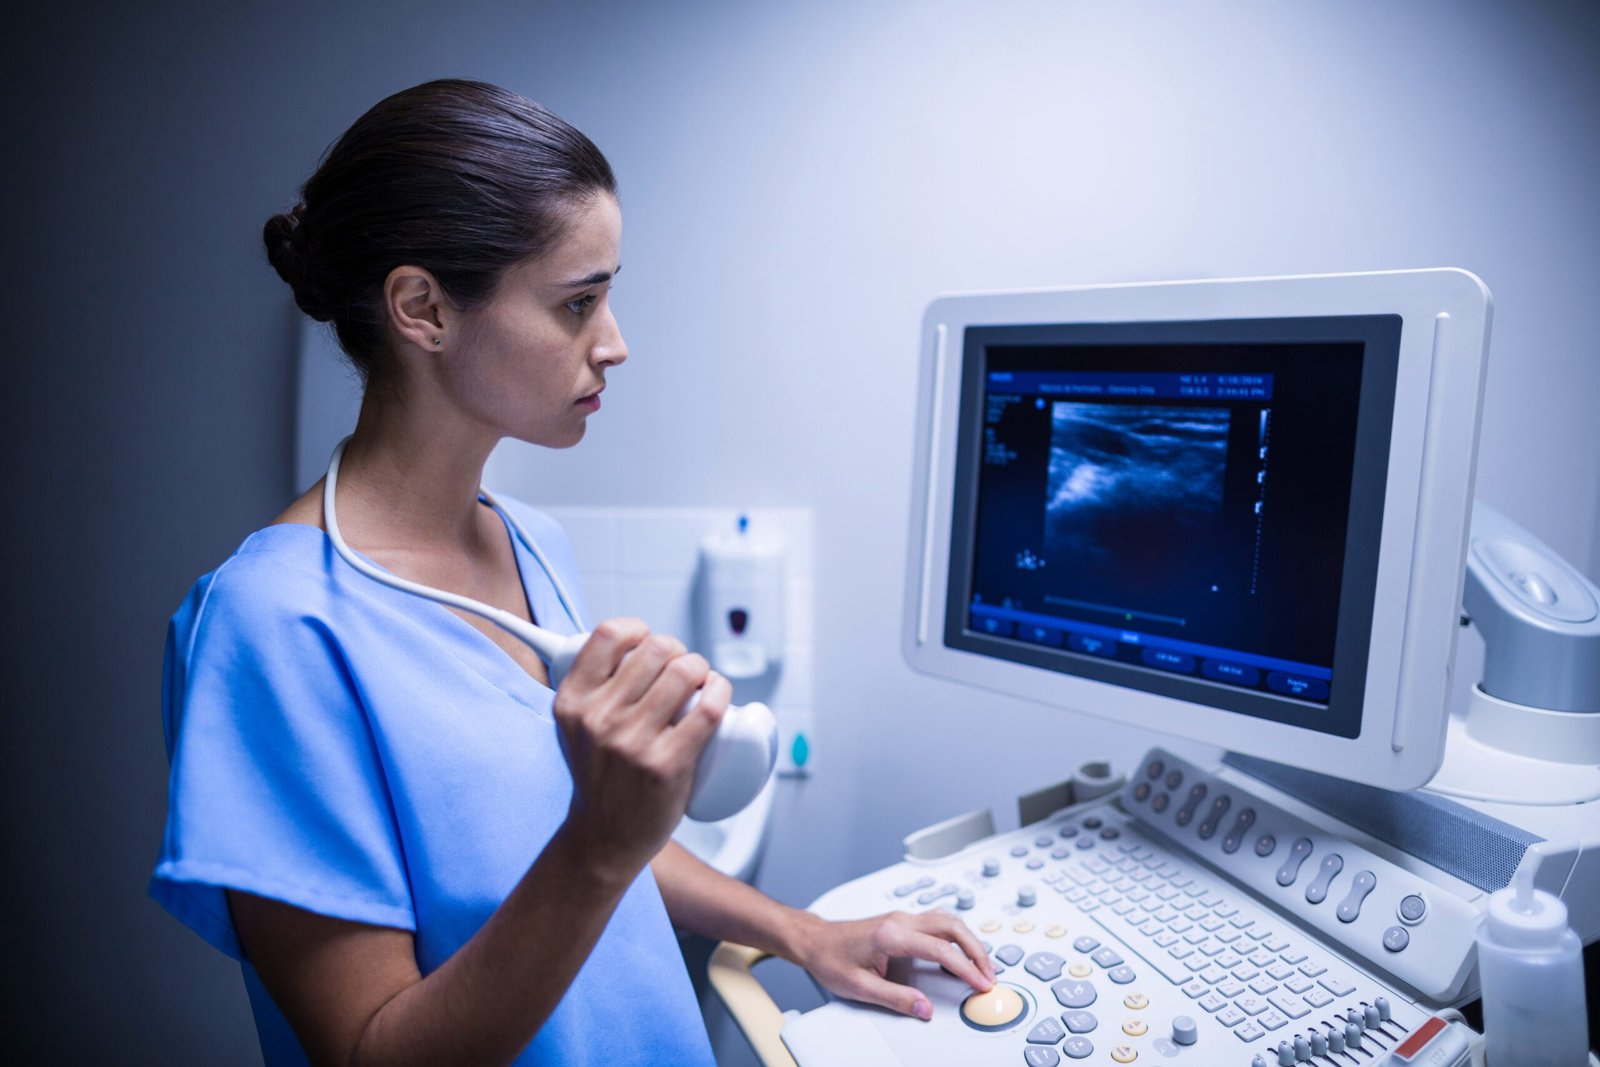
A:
579,305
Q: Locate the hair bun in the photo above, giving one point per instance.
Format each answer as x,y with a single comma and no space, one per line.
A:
285,239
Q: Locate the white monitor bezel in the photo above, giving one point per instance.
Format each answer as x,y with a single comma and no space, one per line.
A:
1427,505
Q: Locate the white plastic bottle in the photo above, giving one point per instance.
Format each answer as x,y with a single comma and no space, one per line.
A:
1531,965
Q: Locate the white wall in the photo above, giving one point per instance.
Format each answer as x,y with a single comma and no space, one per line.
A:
798,181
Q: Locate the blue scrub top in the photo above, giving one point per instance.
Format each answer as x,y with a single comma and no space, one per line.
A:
362,753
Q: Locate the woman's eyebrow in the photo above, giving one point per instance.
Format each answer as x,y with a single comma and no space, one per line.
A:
593,279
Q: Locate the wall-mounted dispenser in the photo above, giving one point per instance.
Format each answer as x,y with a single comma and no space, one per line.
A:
741,601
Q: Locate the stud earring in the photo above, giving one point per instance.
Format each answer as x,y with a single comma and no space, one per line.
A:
437,342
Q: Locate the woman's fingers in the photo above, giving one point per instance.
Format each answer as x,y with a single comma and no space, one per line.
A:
935,948
603,653
947,927
871,989
692,732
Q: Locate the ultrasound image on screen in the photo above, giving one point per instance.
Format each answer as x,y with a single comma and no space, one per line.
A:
1129,485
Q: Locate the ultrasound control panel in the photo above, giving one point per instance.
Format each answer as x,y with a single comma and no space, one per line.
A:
1400,923
1182,920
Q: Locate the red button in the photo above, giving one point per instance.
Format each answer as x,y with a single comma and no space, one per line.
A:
1419,1040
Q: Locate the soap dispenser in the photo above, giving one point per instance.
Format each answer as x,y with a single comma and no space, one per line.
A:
742,600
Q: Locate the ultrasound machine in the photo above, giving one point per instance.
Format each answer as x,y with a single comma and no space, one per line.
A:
1238,513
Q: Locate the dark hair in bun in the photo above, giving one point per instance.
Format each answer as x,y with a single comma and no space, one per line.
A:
463,179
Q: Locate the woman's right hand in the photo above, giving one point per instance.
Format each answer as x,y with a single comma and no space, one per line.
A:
632,766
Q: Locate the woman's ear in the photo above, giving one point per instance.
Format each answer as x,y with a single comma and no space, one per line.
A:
418,309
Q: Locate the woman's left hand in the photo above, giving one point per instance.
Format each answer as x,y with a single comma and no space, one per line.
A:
852,958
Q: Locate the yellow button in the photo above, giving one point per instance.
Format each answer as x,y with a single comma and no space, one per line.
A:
994,1010
1136,1001
1056,931
1023,927
1124,1054
989,926
1134,1028
1081,970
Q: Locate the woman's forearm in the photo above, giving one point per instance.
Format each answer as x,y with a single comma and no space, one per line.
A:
707,902
487,1001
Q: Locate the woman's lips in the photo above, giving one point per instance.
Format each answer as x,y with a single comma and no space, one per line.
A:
590,403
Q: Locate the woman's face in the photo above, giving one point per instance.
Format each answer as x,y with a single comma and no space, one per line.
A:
532,361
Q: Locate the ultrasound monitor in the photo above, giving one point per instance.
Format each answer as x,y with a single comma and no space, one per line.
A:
1233,511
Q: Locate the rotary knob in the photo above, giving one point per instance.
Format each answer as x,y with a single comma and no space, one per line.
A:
1026,897
991,867
1184,1031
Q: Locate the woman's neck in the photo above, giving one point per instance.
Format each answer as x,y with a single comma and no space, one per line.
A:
410,475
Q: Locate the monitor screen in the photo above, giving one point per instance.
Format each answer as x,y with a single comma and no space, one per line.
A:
1192,509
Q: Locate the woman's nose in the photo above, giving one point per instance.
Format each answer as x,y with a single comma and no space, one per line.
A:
609,347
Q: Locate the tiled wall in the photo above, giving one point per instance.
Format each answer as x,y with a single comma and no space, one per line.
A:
643,562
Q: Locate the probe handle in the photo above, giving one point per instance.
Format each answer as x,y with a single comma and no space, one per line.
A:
735,764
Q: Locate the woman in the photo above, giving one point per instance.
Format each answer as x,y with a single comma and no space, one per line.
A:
417,850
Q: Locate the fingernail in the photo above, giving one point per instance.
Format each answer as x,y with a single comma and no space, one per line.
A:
923,1009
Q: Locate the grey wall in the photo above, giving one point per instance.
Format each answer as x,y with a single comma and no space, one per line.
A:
798,181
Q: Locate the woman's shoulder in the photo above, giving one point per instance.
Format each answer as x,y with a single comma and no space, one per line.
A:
276,569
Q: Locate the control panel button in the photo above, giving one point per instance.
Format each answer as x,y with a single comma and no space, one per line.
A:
991,868
1078,1048
1331,865
1174,778
1086,944
1106,957
1219,808
1413,909
1159,804
1041,1056
1048,1032
1136,1002
1124,1054
1009,955
1265,844
1349,909
966,899
1396,938
1141,792
1019,851
1092,822
1184,1031
1135,1028
1045,966
1153,769
1291,864
1122,975
1027,897
911,887
1043,841
1069,830
1186,813
1241,826
997,1009
1074,993
1079,1022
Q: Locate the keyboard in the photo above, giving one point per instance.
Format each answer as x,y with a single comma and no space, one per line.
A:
1115,941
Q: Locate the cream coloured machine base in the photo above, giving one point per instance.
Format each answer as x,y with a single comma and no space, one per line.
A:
1197,916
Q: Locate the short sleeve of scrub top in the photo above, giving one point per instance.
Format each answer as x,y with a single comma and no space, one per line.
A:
361,753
